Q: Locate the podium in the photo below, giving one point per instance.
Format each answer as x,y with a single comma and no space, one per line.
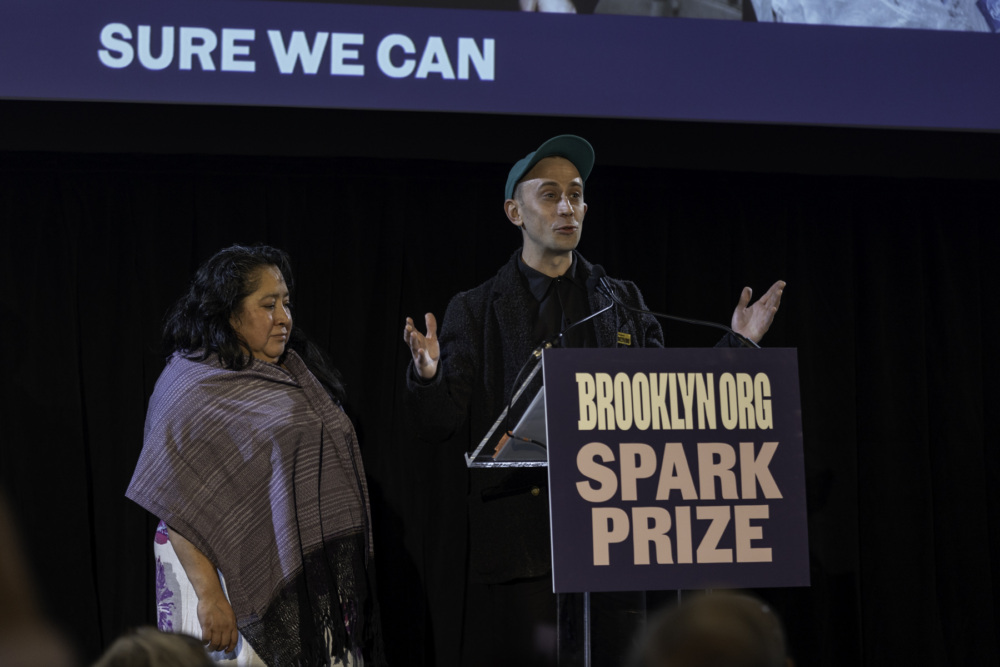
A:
668,470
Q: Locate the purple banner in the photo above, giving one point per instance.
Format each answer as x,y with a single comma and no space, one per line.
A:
255,52
675,469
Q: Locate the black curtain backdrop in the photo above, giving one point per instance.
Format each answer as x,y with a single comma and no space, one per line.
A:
889,250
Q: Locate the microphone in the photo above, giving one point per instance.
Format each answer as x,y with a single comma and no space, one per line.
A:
600,283
605,287
593,283
597,274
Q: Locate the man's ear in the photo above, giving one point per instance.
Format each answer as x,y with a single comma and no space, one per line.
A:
513,214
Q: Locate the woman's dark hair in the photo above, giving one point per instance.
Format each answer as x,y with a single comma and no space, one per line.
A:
200,325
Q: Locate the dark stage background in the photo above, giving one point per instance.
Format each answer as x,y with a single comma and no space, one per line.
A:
887,240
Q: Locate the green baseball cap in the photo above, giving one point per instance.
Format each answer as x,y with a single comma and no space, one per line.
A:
575,149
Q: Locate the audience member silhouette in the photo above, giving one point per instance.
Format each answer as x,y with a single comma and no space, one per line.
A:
27,639
721,629
148,647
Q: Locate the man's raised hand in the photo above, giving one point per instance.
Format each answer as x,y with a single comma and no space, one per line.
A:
424,347
754,321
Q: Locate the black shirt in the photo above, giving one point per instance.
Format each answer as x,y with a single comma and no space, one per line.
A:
562,301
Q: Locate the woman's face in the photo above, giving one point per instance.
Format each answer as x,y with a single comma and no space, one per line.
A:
264,319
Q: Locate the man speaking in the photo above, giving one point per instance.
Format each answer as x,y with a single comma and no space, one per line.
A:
461,379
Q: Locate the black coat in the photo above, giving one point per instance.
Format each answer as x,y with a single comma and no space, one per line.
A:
485,338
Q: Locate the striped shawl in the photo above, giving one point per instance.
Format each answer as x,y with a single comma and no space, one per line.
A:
261,471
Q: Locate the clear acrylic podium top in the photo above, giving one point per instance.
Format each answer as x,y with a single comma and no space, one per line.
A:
524,445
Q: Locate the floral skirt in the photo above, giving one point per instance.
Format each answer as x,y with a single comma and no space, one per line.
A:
177,605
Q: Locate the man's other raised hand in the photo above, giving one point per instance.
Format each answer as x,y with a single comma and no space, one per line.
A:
424,347
754,321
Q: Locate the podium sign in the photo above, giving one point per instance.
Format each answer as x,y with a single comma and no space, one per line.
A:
675,469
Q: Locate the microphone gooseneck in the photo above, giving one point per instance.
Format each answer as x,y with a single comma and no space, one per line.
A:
597,275
606,288
598,282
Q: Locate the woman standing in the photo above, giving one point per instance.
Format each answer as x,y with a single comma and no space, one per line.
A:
264,547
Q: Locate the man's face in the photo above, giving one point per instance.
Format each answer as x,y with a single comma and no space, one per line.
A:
548,205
